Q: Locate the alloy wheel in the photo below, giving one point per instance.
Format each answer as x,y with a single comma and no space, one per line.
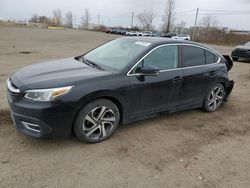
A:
215,98
99,122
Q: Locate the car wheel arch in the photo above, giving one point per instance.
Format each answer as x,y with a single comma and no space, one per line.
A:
115,98
213,84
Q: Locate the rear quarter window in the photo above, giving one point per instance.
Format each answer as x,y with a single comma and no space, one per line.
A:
210,57
192,56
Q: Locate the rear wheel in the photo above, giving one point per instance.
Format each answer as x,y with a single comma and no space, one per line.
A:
235,59
214,98
97,121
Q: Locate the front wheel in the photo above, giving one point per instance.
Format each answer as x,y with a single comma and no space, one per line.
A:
214,98
97,121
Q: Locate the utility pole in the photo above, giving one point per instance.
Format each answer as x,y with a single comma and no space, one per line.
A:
98,20
75,21
132,20
195,23
109,22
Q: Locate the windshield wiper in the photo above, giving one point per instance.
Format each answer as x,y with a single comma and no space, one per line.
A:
90,63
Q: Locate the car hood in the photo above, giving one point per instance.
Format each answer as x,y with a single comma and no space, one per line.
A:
243,47
64,72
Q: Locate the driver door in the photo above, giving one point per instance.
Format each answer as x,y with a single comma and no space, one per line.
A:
151,94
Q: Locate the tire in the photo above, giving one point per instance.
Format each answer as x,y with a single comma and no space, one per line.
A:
97,121
214,98
235,59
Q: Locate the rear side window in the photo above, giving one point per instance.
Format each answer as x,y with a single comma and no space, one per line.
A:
210,57
193,56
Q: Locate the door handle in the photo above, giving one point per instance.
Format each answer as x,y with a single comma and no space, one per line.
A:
212,73
177,79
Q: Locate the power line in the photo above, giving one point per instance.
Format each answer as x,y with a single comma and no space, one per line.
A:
226,11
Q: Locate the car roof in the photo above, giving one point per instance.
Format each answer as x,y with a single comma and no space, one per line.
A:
160,40
156,41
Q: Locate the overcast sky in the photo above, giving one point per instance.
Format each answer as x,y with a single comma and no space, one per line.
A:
119,11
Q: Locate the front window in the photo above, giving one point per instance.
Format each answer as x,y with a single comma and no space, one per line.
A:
162,58
117,54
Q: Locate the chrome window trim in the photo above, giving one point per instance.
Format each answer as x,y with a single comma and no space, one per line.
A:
11,88
179,68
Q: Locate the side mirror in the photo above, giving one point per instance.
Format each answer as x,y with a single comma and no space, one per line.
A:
148,71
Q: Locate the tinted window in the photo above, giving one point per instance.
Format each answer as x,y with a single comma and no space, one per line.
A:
163,58
193,56
210,57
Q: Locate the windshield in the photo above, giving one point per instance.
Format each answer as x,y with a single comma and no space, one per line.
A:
116,54
247,44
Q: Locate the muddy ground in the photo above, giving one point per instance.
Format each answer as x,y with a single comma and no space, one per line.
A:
186,149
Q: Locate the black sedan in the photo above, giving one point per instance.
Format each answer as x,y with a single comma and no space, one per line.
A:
121,81
241,52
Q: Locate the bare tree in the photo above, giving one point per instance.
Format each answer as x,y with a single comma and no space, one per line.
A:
146,19
86,19
208,21
69,19
34,18
57,17
44,20
180,28
168,18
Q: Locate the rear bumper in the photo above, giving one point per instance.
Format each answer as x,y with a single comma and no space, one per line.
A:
229,88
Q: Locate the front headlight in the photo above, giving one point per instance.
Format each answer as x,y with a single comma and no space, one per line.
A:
46,94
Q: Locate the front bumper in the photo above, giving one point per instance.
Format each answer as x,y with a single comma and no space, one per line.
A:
42,119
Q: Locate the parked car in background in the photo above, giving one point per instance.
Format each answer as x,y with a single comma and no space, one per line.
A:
156,34
107,30
125,80
147,34
131,33
123,32
183,37
114,31
177,36
169,35
241,52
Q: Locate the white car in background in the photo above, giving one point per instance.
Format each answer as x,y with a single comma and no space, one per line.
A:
183,37
131,33
177,36
147,34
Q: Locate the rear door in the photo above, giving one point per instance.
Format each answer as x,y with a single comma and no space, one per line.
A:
199,73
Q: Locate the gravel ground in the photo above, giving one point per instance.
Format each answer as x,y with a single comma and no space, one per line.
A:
185,149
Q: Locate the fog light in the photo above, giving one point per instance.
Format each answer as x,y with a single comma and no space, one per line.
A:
31,126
